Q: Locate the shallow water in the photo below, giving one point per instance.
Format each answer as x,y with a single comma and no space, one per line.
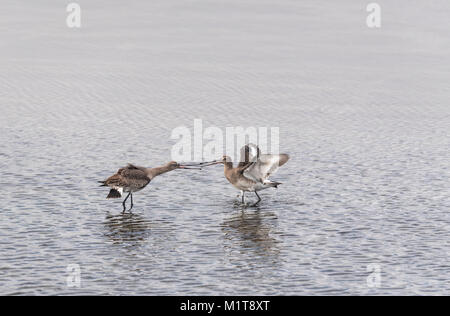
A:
364,114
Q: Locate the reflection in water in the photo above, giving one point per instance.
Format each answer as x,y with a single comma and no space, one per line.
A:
252,231
129,229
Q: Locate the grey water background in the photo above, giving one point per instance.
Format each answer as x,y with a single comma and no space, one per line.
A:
364,114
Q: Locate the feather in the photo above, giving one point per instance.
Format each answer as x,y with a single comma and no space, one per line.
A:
114,194
266,165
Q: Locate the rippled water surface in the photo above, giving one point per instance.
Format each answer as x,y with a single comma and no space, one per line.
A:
363,113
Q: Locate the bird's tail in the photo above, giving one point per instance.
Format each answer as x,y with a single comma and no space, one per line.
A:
114,194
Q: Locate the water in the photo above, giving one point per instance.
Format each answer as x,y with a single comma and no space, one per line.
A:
364,114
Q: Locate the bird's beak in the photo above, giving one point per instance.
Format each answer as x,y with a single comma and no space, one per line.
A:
210,163
200,165
189,167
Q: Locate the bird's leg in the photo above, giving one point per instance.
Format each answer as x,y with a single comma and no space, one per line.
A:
259,199
243,197
124,207
131,201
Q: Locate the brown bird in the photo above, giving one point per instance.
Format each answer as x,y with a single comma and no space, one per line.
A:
253,171
133,178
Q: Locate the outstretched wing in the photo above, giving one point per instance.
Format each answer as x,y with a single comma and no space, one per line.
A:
249,153
266,165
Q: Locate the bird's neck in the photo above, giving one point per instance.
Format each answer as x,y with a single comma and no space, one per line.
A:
153,172
228,166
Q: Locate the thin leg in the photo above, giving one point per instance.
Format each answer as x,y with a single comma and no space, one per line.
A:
124,207
243,197
259,199
131,201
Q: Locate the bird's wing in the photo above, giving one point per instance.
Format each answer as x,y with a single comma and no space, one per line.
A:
130,166
128,176
249,153
265,166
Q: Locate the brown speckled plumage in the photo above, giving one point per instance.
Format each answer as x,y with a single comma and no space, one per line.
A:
133,178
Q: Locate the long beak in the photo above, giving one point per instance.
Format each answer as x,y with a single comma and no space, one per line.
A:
210,163
189,167
202,164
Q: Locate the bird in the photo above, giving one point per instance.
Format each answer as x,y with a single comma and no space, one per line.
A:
253,171
133,178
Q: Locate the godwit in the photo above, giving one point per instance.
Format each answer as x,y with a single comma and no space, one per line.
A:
253,171
133,178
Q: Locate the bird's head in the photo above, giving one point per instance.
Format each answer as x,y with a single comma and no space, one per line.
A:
226,159
173,165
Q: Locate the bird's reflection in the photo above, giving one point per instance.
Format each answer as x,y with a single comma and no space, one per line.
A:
252,230
127,228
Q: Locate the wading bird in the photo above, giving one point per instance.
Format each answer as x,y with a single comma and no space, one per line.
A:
253,171
132,178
